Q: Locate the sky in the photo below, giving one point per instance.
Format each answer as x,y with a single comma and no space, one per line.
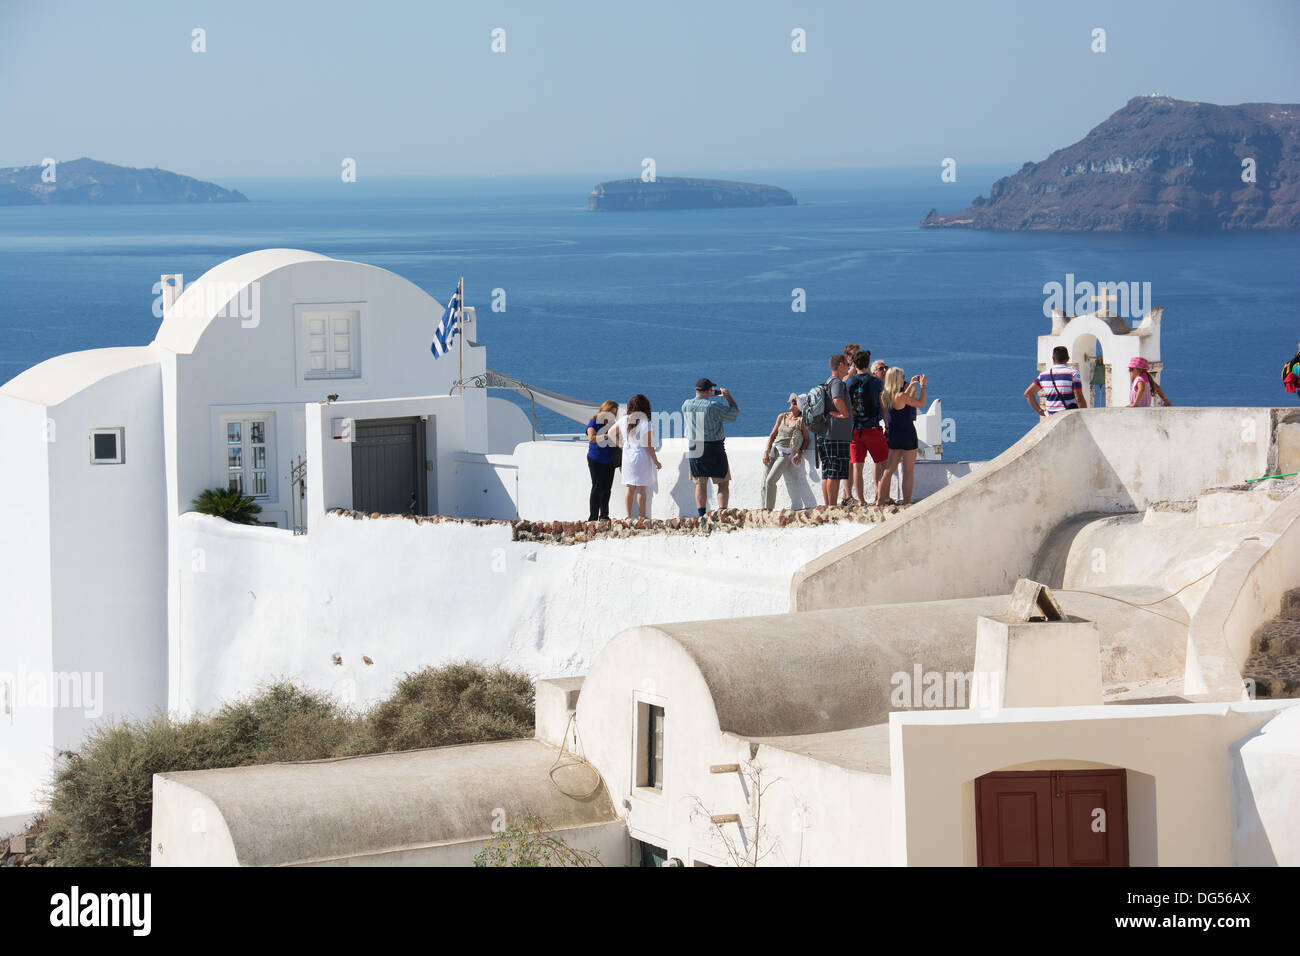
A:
288,88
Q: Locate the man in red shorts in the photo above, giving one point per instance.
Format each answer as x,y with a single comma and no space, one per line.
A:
865,391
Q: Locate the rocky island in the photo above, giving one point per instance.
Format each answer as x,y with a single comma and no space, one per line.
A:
673,192
1157,165
86,181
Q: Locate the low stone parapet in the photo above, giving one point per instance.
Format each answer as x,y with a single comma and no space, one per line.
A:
724,521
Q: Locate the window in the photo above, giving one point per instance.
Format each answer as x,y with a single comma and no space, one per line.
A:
247,456
106,446
649,746
652,855
655,751
331,339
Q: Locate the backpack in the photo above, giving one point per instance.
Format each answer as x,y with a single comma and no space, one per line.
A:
815,415
862,400
1290,381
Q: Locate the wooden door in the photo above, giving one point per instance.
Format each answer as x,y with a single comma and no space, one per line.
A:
388,474
1052,818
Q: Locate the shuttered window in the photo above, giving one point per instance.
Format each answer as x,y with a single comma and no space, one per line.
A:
331,344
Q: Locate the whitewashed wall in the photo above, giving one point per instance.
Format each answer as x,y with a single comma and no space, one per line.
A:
980,537
461,483
1266,791
260,603
217,365
26,732
1185,747
814,813
83,575
108,535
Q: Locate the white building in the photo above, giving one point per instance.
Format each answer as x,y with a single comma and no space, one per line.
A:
712,656
910,710
120,599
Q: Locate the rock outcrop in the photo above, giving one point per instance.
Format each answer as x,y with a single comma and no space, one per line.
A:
88,181
670,192
1157,165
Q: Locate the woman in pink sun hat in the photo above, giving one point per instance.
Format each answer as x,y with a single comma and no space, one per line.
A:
1142,385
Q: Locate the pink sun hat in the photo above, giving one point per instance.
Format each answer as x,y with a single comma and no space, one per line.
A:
1139,362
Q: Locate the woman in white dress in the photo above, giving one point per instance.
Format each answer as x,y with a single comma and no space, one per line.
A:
634,435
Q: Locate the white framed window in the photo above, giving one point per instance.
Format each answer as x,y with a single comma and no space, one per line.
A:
648,744
248,457
331,342
107,446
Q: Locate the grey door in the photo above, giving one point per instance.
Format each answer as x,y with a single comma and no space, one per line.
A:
388,466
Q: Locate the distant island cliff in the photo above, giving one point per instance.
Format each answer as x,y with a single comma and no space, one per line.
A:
88,181
670,192
1157,165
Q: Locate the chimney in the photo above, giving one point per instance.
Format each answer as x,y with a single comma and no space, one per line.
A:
1035,655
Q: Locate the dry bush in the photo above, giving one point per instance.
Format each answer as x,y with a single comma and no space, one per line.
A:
101,798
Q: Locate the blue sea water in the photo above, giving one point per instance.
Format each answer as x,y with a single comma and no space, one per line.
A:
604,305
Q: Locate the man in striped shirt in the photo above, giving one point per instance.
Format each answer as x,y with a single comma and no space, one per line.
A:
1061,386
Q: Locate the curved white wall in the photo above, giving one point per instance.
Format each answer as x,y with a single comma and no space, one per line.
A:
978,536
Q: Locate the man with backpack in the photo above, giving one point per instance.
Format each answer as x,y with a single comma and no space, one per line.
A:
831,421
868,437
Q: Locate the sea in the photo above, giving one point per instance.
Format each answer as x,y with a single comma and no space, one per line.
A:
606,305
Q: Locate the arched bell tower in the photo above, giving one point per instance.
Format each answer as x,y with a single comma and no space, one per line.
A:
1118,341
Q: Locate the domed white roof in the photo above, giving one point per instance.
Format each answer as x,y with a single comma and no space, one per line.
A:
187,319
59,378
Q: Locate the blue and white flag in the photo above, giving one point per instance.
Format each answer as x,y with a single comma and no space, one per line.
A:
445,334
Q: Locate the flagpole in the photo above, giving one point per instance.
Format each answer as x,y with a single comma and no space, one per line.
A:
460,322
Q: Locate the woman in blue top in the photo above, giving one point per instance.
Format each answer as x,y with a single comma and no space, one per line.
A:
600,460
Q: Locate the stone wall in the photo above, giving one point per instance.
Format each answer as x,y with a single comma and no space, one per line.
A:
717,522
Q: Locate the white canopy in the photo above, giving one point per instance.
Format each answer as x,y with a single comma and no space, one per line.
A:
574,409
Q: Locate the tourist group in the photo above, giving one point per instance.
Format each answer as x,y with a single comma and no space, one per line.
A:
863,409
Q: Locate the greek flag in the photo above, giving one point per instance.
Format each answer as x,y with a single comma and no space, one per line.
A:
445,334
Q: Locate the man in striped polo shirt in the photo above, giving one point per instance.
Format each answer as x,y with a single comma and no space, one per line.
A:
1061,386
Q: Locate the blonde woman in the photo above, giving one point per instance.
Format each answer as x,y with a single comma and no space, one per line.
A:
601,460
785,447
900,405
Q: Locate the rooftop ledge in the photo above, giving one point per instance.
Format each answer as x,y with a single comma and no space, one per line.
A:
726,521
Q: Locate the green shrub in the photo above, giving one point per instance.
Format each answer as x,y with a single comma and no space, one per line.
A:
457,704
102,795
532,842
229,504
101,798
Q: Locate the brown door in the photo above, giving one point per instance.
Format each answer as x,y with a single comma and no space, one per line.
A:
1052,818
